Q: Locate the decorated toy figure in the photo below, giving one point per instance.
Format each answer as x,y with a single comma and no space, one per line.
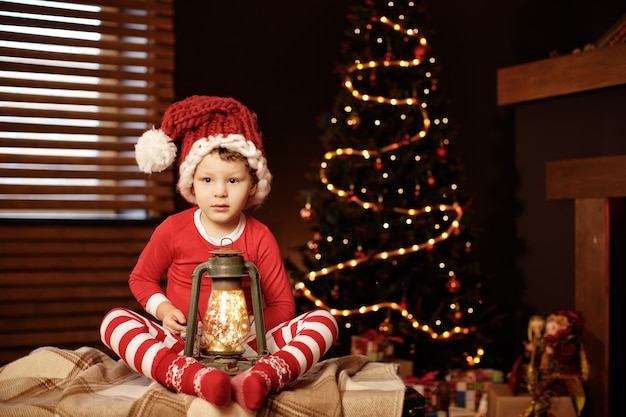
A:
563,368
524,376
534,348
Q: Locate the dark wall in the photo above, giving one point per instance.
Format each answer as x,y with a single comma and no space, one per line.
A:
279,59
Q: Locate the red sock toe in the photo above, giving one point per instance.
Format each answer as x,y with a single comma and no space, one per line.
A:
213,385
250,388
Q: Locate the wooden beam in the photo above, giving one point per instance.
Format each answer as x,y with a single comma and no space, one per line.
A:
561,75
592,277
590,182
586,178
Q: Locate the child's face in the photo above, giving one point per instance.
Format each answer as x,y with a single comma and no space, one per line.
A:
222,189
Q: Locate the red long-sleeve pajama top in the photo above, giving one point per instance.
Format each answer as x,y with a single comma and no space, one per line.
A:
178,245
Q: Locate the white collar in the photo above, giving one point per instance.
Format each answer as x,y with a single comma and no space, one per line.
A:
233,236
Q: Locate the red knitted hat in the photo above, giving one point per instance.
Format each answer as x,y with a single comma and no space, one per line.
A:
202,124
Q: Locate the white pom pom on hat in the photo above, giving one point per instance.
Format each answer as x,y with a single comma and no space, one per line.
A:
154,151
202,124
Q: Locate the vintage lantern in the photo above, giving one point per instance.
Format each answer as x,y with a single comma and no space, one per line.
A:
225,323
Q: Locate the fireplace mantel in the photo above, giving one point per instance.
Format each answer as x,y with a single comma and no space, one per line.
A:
552,77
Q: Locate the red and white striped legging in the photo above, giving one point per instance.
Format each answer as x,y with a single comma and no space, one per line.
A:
137,339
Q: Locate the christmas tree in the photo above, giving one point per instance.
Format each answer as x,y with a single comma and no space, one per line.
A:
390,253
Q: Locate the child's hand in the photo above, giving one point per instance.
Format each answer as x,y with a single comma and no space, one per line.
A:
174,321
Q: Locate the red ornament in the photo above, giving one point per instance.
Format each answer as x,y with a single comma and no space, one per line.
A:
359,254
442,151
378,165
307,214
421,52
453,285
389,56
431,181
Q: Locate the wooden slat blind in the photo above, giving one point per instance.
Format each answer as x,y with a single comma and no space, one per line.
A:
80,81
59,279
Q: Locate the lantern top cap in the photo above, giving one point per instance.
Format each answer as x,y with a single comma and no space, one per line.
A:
223,251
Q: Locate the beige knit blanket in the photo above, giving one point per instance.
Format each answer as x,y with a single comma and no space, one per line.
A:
53,382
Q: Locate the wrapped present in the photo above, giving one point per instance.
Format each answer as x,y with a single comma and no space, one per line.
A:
429,387
468,387
375,345
501,403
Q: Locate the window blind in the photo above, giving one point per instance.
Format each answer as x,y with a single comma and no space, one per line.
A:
80,81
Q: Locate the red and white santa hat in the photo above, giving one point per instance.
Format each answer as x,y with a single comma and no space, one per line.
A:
201,124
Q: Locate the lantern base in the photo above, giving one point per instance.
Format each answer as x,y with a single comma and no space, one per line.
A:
232,365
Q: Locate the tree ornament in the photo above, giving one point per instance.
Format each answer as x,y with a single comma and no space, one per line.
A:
307,214
378,164
458,316
354,121
421,52
389,56
453,285
431,180
386,327
442,151
335,292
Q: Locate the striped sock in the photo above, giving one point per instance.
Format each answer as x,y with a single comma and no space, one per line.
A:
187,375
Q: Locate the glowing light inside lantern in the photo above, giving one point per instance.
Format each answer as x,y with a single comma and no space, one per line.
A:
226,325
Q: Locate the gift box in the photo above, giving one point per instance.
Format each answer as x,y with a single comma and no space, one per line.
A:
501,403
429,387
468,387
374,345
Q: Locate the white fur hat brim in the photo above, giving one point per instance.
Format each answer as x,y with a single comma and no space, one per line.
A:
234,142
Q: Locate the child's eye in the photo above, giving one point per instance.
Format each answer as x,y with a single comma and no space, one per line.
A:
207,180
232,180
